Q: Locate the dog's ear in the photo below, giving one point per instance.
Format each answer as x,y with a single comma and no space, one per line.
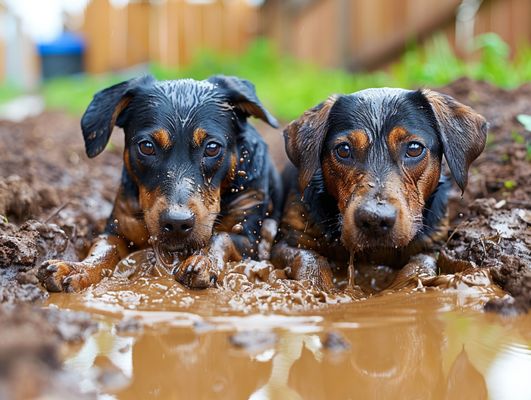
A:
304,139
104,111
242,95
463,133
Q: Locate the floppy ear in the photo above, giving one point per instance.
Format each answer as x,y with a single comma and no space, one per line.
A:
304,139
103,112
463,133
242,95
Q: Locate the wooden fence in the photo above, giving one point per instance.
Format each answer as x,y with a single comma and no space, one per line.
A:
169,32
333,33
366,33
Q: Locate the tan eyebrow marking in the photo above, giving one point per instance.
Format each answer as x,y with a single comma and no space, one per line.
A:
359,139
163,138
198,137
395,137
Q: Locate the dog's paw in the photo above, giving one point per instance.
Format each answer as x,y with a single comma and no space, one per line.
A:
65,276
197,272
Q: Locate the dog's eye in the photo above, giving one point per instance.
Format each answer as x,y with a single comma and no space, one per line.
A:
212,149
146,147
343,150
414,150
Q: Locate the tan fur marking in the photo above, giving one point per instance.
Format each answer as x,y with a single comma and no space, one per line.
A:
205,206
131,228
163,138
359,140
341,181
119,108
127,162
395,138
153,204
199,136
429,177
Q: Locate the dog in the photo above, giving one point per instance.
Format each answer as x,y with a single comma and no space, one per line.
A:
366,184
197,182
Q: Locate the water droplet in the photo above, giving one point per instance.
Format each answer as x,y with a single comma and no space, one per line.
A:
238,228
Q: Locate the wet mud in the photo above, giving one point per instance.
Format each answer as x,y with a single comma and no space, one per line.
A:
138,334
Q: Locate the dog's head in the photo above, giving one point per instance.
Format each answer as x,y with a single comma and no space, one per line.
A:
378,152
181,142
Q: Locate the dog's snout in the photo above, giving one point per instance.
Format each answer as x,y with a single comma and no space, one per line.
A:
177,222
375,218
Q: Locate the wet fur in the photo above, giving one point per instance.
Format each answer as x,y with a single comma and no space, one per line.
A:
318,217
178,117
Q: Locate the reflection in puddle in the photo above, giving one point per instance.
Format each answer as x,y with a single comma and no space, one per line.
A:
402,346
158,340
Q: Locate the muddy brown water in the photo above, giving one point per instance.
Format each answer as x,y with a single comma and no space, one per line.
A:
258,340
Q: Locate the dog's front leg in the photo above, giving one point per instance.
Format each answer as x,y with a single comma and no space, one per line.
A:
420,268
201,270
303,264
72,276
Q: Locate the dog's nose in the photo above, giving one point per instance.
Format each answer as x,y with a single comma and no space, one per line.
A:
177,222
375,218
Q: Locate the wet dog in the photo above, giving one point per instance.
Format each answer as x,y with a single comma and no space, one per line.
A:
368,168
197,182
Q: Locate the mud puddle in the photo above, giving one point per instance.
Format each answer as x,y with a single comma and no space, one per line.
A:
158,340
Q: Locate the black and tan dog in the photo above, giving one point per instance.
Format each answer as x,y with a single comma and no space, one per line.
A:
197,181
369,178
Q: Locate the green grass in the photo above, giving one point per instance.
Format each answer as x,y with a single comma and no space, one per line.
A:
288,86
8,92
73,94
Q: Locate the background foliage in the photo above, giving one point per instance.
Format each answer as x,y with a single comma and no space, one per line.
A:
288,86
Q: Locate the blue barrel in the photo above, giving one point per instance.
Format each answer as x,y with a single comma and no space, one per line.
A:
62,56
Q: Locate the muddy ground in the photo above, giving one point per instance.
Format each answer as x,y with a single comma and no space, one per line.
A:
54,201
